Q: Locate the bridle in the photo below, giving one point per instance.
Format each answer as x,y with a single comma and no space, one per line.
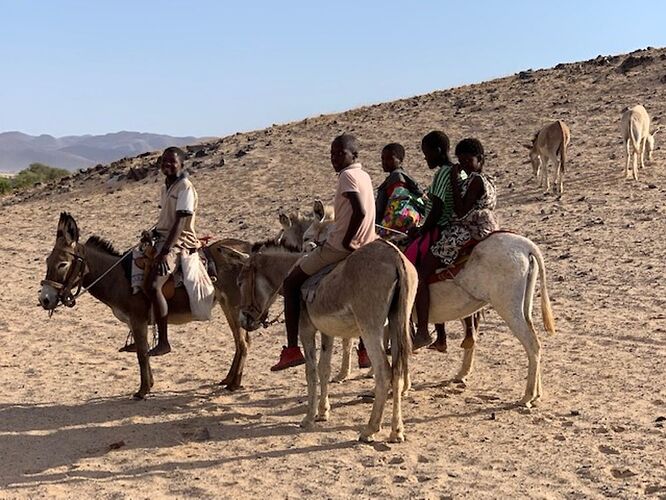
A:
73,278
252,308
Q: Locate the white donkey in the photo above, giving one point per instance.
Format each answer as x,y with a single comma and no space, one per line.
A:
549,143
635,126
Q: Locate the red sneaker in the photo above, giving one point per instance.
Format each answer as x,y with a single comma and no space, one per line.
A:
363,359
289,357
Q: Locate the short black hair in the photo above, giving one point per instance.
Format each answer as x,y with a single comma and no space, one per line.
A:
348,142
438,139
470,146
180,154
396,149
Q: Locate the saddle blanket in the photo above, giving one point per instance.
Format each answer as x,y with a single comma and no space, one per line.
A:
309,288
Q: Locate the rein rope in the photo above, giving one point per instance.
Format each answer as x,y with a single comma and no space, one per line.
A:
391,230
269,302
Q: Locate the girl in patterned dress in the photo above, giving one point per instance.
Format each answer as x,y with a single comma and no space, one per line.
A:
474,199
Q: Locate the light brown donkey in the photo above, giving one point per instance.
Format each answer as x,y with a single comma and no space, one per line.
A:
549,143
375,283
72,265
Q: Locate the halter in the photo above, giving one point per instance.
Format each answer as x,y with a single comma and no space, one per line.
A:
254,310
74,277
80,268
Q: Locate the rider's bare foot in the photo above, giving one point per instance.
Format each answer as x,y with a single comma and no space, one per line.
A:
160,349
128,348
438,345
468,342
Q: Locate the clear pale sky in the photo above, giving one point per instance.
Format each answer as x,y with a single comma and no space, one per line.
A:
214,67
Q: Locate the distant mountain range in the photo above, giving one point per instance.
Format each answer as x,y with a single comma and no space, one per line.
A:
19,150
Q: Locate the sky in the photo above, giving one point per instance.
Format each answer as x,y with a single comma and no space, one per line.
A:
212,68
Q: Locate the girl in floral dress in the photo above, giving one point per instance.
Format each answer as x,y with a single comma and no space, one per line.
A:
474,200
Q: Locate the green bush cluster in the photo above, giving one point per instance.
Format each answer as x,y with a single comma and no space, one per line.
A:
36,172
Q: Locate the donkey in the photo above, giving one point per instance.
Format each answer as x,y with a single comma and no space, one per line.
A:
72,264
502,271
373,284
549,143
637,139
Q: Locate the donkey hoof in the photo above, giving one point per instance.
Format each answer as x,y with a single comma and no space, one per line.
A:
139,396
366,437
397,437
307,424
339,379
526,402
322,417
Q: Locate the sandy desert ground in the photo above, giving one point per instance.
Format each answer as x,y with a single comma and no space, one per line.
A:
68,427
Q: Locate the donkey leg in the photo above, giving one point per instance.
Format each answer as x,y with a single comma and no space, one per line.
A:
345,367
307,334
397,427
528,338
235,375
382,381
324,369
467,365
140,332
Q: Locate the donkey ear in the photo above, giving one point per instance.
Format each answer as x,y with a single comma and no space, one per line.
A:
318,209
285,221
67,229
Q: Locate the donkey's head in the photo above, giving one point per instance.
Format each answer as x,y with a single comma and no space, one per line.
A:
649,143
320,228
257,291
65,266
534,157
293,228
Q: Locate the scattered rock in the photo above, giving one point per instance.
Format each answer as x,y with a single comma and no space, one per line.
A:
623,473
632,62
574,413
656,488
117,445
137,173
608,450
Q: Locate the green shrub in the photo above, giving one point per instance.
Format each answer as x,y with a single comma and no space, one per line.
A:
36,172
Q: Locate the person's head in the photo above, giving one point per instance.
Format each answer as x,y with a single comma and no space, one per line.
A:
392,156
470,155
344,151
171,161
435,147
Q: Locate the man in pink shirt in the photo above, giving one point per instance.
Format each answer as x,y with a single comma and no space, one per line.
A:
354,227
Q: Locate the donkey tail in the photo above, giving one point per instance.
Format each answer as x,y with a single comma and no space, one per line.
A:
536,263
404,294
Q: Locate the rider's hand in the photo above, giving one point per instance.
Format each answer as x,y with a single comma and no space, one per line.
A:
162,264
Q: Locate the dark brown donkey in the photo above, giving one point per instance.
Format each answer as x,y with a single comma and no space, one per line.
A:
94,266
